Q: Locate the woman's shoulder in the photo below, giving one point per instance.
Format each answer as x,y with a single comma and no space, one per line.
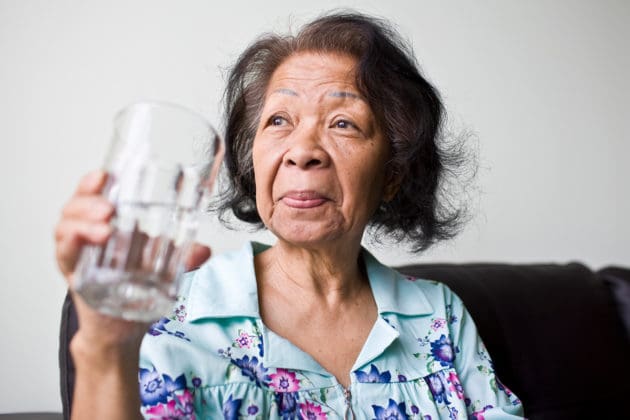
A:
404,294
224,286
430,287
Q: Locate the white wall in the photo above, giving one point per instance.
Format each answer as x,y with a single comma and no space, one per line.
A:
543,84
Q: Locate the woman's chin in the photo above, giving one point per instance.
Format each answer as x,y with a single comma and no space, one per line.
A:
309,234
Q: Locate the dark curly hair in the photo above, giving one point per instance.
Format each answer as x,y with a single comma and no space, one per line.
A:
408,109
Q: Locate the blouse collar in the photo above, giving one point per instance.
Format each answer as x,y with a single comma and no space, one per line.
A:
236,294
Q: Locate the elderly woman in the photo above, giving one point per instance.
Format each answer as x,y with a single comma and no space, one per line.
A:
328,133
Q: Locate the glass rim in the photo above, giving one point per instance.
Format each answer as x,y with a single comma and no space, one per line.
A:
166,105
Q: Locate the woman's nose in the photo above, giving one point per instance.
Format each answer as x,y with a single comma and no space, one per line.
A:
306,151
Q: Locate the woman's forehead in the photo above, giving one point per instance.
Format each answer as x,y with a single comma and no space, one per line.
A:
306,73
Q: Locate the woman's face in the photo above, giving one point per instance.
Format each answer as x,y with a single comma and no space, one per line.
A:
319,155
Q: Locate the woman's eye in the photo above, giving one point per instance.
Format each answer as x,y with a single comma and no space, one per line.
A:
277,120
343,124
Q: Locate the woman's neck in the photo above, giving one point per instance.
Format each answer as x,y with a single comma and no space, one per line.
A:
326,275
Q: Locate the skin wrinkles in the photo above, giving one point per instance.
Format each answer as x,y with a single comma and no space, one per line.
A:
316,134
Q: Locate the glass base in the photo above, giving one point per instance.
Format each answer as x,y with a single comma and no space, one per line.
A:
136,296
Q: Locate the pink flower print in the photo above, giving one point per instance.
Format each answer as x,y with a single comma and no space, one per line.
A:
186,404
478,415
180,407
180,313
244,340
162,411
312,411
455,386
438,323
284,381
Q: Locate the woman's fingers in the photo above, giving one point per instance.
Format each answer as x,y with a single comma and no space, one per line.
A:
84,220
197,255
88,207
71,235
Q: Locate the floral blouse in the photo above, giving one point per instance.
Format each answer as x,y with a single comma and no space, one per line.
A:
214,358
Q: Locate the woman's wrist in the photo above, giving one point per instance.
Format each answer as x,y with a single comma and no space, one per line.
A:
98,355
106,384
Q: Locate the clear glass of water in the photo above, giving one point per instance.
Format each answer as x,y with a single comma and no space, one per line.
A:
162,163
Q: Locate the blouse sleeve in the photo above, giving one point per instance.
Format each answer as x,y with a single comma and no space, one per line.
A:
485,396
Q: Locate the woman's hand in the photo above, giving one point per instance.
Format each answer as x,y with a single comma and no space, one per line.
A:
105,349
85,220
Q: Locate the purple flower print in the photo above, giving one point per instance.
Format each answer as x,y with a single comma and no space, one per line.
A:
452,413
443,351
437,386
231,408
174,385
374,376
402,378
261,349
243,340
252,369
159,327
284,381
394,411
287,405
437,323
155,388
252,410
152,388
180,313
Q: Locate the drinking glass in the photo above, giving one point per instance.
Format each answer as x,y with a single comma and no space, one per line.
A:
162,163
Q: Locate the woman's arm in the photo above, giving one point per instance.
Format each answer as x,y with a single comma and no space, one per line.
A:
106,384
105,350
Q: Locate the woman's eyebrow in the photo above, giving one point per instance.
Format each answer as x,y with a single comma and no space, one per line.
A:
334,94
343,94
286,91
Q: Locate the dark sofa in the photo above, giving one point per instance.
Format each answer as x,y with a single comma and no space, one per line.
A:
559,334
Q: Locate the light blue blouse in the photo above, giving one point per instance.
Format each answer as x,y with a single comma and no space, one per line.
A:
214,358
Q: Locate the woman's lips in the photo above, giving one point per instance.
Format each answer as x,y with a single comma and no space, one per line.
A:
303,199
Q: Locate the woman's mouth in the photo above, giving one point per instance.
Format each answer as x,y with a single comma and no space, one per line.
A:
303,199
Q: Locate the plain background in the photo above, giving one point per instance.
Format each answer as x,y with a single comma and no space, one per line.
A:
543,85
